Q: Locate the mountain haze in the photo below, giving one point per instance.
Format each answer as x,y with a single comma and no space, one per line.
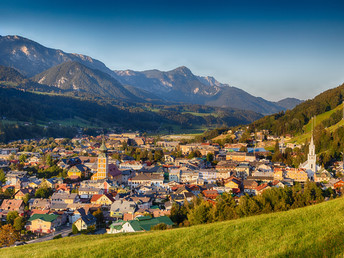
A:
289,103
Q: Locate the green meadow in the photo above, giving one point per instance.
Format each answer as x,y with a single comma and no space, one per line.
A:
306,232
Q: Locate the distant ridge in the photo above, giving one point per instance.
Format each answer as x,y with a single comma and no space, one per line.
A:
179,85
31,58
289,103
182,85
73,76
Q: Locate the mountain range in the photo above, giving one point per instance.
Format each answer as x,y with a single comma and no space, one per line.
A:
82,74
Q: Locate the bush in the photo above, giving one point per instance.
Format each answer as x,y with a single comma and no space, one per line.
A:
75,230
57,236
160,226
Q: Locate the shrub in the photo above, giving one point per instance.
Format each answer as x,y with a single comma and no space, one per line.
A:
57,236
160,226
75,229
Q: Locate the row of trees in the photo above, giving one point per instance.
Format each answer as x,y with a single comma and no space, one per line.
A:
200,211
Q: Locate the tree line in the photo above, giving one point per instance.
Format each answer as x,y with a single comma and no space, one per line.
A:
226,207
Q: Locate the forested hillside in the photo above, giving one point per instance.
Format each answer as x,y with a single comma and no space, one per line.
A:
292,121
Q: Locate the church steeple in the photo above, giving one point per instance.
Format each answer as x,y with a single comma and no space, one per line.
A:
312,157
102,168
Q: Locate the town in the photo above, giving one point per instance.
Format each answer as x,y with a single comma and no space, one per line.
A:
129,182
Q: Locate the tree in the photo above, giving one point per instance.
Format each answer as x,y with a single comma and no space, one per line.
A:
158,155
178,213
49,160
150,156
26,198
99,216
18,223
8,236
2,176
75,229
210,157
11,216
22,158
43,192
201,213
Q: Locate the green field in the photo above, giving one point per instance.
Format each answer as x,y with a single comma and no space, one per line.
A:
214,114
306,232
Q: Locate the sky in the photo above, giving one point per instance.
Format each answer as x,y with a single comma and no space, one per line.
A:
272,49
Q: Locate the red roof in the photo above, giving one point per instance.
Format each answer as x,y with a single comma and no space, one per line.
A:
262,186
95,197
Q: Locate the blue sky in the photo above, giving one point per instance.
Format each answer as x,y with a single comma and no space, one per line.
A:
272,49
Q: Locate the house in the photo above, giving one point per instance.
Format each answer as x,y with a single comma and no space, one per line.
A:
146,179
78,171
243,170
77,214
208,175
339,184
102,199
21,194
12,205
250,186
139,224
120,207
39,204
169,158
322,176
261,188
277,183
142,202
298,175
211,194
89,191
64,197
85,222
174,175
233,182
44,223
114,173
278,174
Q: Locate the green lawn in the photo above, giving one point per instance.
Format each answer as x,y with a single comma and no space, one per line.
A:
306,232
319,118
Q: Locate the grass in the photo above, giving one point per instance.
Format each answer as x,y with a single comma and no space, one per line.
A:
319,118
214,114
312,231
307,129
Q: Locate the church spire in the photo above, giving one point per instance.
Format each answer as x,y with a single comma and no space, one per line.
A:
311,153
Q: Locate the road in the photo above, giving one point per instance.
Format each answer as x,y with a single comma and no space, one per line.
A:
64,231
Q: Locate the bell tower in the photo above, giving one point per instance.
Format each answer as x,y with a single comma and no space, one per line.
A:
102,167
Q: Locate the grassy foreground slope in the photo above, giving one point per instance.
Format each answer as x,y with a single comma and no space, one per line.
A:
312,231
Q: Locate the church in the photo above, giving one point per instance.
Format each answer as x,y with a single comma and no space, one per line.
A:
104,169
311,164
